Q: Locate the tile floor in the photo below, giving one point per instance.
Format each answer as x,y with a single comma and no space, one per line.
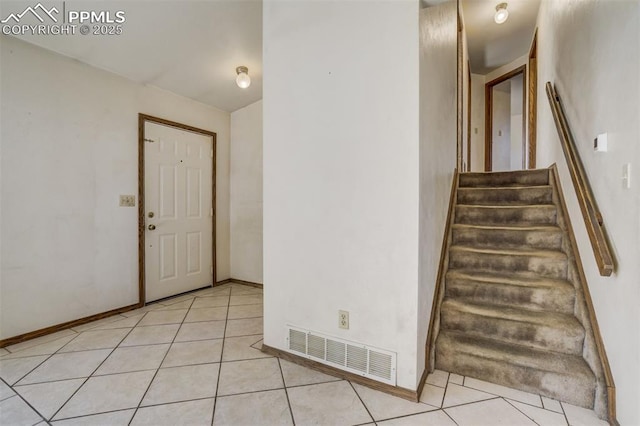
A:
195,360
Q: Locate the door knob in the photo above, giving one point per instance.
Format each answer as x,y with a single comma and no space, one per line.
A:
152,227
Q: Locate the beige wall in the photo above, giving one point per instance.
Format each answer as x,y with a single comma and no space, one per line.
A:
246,193
69,141
591,51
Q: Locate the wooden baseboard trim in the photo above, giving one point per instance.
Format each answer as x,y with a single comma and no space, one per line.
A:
63,326
332,371
236,281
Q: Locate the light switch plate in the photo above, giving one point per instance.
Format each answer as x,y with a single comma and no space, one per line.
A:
127,200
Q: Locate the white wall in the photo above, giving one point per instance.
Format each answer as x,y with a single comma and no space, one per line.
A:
501,131
477,123
341,173
591,51
69,143
246,193
437,145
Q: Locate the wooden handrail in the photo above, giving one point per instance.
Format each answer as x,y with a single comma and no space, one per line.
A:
590,212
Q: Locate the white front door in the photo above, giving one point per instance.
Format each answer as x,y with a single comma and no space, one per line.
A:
178,210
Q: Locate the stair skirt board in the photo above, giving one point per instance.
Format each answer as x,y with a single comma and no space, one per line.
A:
511,304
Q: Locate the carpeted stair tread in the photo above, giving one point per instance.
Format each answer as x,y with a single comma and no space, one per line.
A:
542,372
524,291
515,178
527,215
514,195
536,237
551,254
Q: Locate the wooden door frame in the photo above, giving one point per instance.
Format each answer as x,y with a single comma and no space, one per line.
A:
533,101
488,114
142,120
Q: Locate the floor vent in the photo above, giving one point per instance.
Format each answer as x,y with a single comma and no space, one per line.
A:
376,364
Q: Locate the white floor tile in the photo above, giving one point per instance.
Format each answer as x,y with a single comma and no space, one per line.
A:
239,348
245,300
192,413
174,316
12,370
539,415
115,418
258,408
432,395
297,375
244,327
48,348
510,393
39,340
579,416
432,418
96,339
206,314
495,412
15,412
122,322
201,331
327,404
182,384
107,393
458,395
189,353
184,304
5,391
249,376
48,397
94,324
456,379
245,311
438,378
72,365
134,358
551,404
384,406
150,335
210,302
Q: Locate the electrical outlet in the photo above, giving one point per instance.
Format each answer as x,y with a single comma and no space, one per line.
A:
343,319
127,201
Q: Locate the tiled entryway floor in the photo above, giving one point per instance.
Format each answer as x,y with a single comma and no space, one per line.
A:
195,360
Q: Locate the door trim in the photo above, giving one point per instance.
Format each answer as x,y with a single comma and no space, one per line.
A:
488,103
533,100
142,120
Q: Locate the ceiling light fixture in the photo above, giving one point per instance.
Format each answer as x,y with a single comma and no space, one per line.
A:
243,80
501,13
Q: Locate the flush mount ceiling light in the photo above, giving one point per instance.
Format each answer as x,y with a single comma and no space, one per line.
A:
243,80
501,13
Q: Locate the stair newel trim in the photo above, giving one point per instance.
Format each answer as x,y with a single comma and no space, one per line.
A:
590,212
438,294
577,277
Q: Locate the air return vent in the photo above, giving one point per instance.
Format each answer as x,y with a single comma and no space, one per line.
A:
360,359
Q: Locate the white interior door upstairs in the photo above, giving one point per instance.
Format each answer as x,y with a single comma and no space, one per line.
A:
178,210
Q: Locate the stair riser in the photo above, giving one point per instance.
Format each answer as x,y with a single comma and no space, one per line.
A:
549,299
501,238
503,263
574,390
529,178
508,196
534,216
563,340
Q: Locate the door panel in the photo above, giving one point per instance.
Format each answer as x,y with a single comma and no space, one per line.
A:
178,211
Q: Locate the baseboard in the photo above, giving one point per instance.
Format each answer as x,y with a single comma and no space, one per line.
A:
63,326
411,395
236,281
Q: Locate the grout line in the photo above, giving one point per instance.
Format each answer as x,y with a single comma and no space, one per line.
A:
160,365
43,419
89,415
520,411
250,392
564,413
90,375
286,393
448,415
224,335
361,401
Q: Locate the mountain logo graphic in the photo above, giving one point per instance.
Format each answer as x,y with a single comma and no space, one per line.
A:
34,11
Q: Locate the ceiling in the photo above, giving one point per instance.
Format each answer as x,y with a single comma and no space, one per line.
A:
188,47
491,45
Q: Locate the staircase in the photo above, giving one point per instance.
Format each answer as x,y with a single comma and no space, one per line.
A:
511,312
